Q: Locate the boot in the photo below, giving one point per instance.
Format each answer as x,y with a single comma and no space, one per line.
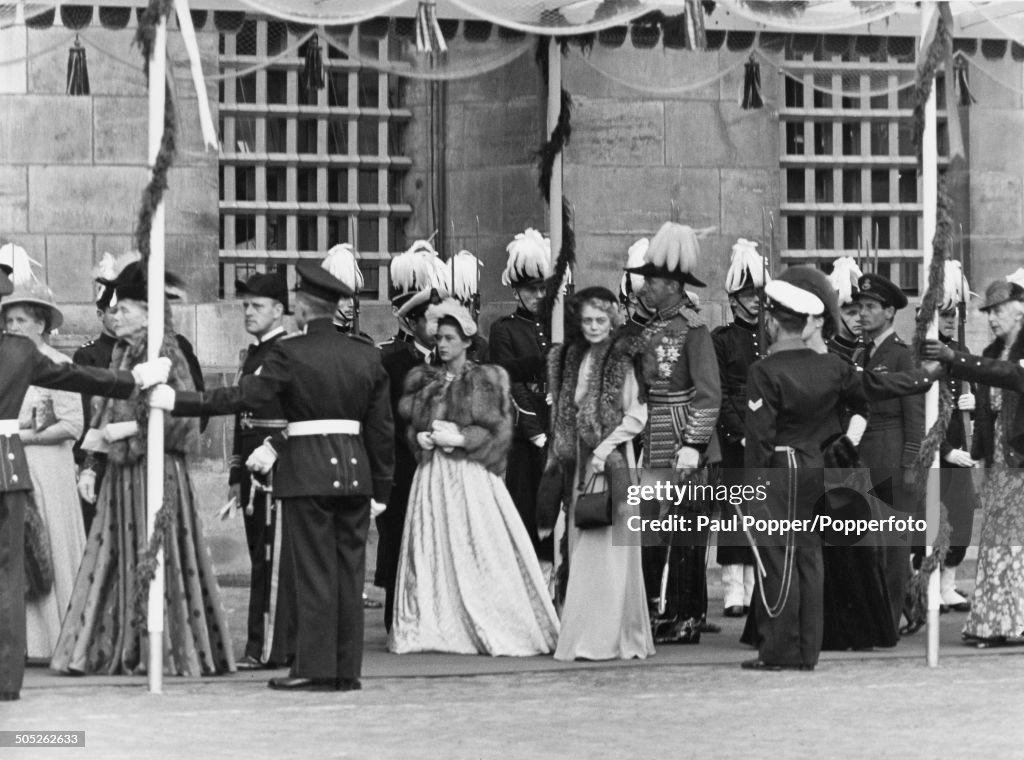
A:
949,596
732,581
748,586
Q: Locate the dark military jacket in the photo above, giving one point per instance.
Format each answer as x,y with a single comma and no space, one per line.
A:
95,353
520,343
736,348
254,427
895,426
851,350
319,375
22,365
956,435
794,398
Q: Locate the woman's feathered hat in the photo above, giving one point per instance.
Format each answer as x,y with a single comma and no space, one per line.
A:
955,288
672,254
342,261
418,276
27,288
529,260
129,282
747,268
632,283
845,278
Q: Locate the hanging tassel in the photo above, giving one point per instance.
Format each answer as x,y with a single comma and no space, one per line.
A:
429,38
696,33
312,78
962,84
751,85
78,71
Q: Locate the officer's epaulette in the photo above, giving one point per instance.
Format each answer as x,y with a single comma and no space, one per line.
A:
693,317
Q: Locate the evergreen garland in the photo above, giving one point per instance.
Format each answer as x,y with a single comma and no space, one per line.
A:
934,57
145,38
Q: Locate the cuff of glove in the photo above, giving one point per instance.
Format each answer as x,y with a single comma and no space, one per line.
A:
95,441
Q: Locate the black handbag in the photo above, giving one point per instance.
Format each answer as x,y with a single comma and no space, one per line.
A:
593,508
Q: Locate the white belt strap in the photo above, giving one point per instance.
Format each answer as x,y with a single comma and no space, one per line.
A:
324,427
9,427
784,449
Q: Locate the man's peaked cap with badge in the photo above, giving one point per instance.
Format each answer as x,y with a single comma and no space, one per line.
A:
881,289
317,282
672,255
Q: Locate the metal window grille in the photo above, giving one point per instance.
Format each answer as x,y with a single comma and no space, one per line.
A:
302,171
848,164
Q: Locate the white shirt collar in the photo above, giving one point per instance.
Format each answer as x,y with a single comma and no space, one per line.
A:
270,334
878,340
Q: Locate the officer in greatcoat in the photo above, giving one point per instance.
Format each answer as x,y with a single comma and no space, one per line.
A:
334,469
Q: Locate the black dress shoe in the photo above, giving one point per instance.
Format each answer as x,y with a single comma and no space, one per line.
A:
735,611
349,684
9,696
249,663
288,683
758,664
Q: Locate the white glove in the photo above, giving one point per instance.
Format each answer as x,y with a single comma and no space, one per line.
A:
262,459
118,431
687,458
540,441
376,508
743,442
147,374
87,486
447,437
960,458
966,402
162,397
855,430
549,400
425,440
95,440
597,464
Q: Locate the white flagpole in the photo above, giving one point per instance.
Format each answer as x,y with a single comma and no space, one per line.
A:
555,215
929,190
154,340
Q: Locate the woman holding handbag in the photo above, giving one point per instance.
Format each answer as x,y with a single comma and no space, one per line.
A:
596,416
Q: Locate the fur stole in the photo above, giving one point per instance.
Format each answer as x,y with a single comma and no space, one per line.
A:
478,400
181,434
600,411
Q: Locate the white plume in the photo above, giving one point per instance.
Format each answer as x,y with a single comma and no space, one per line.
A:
675,247
631,283
845,276
746,267
954,285
17,258
1017,277
342,262
529,258
467,275
417,269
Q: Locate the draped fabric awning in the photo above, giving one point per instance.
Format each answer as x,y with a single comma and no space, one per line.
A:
654,30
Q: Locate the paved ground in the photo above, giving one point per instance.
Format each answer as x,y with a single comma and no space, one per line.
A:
686,702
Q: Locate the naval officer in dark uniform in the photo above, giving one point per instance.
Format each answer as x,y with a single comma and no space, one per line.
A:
21,365
334,469
895,426
520,343
265,303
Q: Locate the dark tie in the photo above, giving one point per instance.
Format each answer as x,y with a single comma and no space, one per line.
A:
868,350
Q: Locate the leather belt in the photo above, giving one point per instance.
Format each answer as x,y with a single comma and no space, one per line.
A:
248,423
9,427
323,427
